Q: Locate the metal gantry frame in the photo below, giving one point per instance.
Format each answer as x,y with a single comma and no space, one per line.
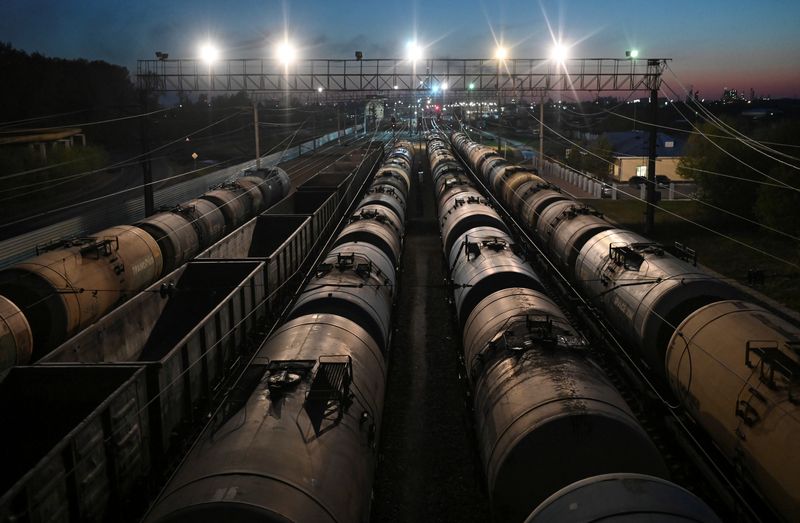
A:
385,76
478,78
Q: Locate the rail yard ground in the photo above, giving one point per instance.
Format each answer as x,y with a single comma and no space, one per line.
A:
429,467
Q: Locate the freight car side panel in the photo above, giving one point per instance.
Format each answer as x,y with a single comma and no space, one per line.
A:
179,350
281,241
119,335
80,442
187,336
321,206
286,241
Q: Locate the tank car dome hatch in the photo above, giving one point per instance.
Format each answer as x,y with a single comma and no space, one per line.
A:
497,311
734,366
627,498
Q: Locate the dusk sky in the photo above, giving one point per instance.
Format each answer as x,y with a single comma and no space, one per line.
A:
713,44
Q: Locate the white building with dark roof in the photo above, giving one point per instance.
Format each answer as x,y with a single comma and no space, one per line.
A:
631,154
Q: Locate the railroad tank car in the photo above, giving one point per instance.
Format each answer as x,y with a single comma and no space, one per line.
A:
478,153
463,211
386,196
644,291
273,187
527,197
395,177
16,338
519,198
77,281
735,368
449,185
399,161
63,290
273,182
254,194
297,441
447,164
565,227
490,168
448,177
627,498
540,404
176,237
275,457
377,226
448,168
534,205
482,263
510,178
660,303
182,232
206,218
235,202
355,281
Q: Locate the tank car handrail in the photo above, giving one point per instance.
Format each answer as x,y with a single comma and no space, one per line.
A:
572,342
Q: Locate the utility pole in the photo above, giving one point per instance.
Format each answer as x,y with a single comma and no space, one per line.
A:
147,172
256,133
541,134
655,79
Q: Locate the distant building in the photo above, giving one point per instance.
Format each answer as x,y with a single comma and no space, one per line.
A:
39,140
630,152
732,96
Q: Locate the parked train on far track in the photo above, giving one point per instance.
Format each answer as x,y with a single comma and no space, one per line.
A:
733,365
546,415
49,298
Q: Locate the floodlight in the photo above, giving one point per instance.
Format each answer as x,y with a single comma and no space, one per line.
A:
209,53
413,51
285,53
559,53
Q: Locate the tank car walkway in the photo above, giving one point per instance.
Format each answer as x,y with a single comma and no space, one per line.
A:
428,468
